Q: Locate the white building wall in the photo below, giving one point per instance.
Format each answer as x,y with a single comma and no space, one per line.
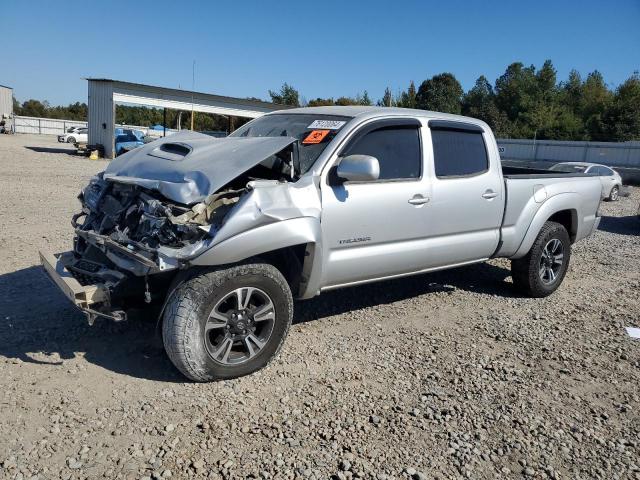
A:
614,154
102,116
6,101
45,126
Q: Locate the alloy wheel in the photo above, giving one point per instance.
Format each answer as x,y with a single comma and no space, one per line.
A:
614,194
239,326
551,261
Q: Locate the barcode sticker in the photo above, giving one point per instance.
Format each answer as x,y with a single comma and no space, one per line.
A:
327,124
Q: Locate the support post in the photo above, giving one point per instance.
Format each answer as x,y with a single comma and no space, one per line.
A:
164,122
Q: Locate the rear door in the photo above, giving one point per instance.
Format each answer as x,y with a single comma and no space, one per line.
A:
467,204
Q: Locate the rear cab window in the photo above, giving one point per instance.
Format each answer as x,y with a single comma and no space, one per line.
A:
459,149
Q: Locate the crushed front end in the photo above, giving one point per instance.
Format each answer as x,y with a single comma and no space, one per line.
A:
129,244
157,208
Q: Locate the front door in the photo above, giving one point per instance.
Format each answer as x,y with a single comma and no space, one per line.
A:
377,229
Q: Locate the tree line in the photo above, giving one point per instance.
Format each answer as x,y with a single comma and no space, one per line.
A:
524,102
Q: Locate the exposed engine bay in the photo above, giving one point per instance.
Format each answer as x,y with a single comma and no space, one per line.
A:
179,203
129,222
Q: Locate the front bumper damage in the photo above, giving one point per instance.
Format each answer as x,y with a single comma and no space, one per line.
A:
75,279
165,209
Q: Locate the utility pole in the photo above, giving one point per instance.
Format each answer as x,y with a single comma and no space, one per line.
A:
193,87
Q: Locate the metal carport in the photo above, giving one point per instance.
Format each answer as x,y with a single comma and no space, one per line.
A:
104,93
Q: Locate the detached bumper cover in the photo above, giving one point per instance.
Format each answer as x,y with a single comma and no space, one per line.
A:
82,296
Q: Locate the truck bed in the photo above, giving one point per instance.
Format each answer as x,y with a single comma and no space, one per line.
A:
528,191
524,172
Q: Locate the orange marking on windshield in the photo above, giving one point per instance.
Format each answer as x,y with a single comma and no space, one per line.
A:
316,136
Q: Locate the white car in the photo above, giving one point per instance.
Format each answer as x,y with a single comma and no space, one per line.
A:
610,179
62,138
79,135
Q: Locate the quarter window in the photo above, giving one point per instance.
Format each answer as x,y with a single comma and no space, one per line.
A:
397,150
458,153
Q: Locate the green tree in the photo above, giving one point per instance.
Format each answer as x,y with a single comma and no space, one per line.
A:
546,77
17,108
479,102
596,99
515,92
408,99
321,102
441,93
286,96
544,113
35,108
347,101
364,99
387,99
570,92
622,119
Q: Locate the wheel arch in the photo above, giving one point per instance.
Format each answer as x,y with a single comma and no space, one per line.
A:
560,209
292,246
568,218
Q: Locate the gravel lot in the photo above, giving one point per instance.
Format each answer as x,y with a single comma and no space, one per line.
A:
444,375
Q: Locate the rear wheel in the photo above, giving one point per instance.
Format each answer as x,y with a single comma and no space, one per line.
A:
541,271
227,323
614,194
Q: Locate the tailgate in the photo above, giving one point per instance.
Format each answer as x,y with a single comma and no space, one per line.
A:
82,296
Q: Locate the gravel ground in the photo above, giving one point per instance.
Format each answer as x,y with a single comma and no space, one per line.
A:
445,375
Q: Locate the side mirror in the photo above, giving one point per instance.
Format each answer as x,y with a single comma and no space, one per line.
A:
358,168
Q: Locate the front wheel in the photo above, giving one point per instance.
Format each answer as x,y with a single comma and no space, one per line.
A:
227,323
541,271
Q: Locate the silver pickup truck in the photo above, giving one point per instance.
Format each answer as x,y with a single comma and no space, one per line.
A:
220,235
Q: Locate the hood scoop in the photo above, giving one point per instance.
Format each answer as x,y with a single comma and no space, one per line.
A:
171,151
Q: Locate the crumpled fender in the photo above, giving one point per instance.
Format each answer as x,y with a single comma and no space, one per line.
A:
265,238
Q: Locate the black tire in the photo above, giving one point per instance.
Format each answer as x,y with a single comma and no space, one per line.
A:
526,271
614,194
189,309
71,140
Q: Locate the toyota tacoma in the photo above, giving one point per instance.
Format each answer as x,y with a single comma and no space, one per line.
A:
222,234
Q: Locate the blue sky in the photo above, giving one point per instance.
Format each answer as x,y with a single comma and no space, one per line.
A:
327,49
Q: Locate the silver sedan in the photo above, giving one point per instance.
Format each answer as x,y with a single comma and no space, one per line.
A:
610,179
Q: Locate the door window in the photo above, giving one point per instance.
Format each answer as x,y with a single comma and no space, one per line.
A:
396,148
458,153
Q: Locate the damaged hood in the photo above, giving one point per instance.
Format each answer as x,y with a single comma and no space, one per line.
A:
188,166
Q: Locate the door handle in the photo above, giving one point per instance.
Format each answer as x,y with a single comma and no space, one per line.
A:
489,194
418,200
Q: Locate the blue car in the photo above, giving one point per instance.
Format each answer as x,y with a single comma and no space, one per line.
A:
127,141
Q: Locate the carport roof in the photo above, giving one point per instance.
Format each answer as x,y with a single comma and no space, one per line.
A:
175,91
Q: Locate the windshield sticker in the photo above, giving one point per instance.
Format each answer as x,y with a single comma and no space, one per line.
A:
315,137
327,124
